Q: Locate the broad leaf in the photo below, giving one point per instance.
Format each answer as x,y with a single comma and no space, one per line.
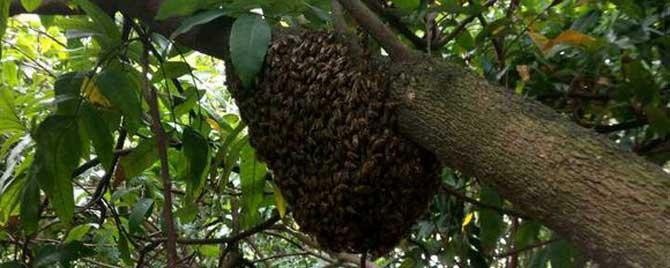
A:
196,152
4,16
249,41
77,233
30,205
9,119
99,133
175,8
140,211
123,92
58,153
490,221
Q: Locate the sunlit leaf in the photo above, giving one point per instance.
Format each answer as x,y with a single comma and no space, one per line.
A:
31,5
468,218
252,180
280,202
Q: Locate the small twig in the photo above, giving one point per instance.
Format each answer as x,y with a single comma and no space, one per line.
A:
526,248
459,29
161,140
475,202
373,25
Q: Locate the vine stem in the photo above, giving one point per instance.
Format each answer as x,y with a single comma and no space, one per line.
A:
161,140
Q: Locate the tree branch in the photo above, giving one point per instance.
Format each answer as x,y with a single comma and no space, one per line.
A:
377,29
159,133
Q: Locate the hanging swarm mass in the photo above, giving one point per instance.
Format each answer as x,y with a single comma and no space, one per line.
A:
324,122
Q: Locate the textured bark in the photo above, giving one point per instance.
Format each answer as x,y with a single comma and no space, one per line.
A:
612,204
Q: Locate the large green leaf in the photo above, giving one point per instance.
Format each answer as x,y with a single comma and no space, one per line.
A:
123,93
252,178
249,41
58,153
99,133
141,158
196,151
140,211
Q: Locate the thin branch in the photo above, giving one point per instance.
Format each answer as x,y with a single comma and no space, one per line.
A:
459,29
475,202
397,24
622,126
159,133
366,18
526,248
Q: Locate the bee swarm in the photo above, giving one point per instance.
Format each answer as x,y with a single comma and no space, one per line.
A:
324,123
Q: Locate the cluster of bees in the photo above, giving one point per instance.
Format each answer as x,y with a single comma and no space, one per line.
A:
323,120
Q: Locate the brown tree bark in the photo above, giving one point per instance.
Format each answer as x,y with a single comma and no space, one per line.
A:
612,204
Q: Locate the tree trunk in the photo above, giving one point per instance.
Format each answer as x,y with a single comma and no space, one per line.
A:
612,204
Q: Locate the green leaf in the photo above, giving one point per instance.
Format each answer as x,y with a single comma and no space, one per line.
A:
10,197
124,249
141,158
252,180
67,88
140,211
406,5
101,20
31,5
197,19
527,233
50,255
57,155
562,254
9,119
99,133
4,17
77,233
196,152
490,221
30,206
249,41
122,91
171,69
11,264
175,8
